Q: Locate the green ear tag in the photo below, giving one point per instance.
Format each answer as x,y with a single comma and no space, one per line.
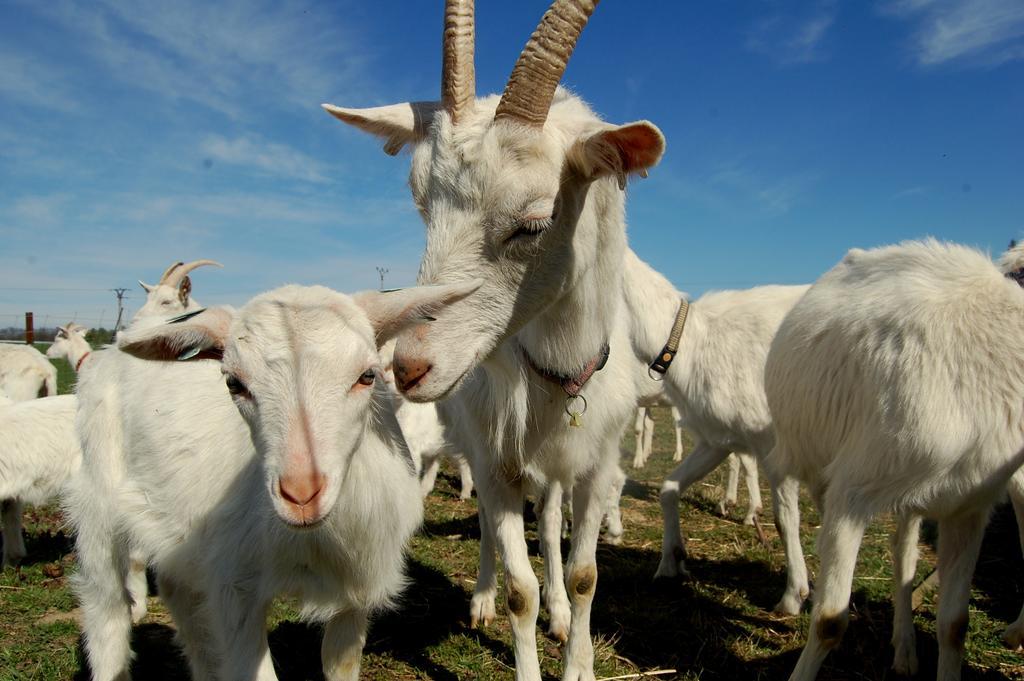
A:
189,354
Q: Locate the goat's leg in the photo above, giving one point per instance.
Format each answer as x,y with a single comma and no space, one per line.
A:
648,435
613,514
785,498
1013,636
904,553
556,601
465,477
697,465
838,544
732,485
14,543
959,544
589,503
754,506
638,431
100,586
342,648
677,419
138,587
522,591
481,606
431,463
240,620
189,611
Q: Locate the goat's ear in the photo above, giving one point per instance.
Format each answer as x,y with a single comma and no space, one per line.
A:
194,335
146,287
619,151
61,331
398,124
391,311
184,289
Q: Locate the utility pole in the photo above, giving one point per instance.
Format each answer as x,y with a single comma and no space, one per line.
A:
381,271
119,292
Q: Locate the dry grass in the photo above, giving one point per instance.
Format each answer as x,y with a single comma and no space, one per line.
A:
715,625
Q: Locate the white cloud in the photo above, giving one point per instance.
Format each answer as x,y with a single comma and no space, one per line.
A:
269,158
973,32
28,81
790,38
216,54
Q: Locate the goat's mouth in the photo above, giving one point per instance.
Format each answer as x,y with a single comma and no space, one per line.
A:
301,511
425,390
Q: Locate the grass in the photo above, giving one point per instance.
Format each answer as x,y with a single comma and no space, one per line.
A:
717,624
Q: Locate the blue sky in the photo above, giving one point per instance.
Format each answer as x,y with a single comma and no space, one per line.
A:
134,134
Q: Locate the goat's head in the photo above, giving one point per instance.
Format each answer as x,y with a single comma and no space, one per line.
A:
65,339
173,293
301,365
519,191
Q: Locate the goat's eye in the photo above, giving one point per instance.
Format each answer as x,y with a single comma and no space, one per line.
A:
367,377
237,388
528,227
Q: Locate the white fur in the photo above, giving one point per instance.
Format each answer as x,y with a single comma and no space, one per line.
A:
427,437
197,484
25,373
716,381
38,453
554,294
895,385
643,429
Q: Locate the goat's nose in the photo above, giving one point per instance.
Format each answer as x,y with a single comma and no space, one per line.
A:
409,372
302,489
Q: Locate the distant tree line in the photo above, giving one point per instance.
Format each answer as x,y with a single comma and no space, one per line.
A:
96,337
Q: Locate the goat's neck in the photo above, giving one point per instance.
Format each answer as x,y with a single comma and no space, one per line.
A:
652,303
77,352
573,329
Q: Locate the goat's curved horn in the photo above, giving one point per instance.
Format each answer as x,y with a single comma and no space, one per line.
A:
182,270
531,87
167,272
458,75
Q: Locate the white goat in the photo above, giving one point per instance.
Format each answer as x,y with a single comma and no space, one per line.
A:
172,294
524,193
297,481
717,381
426,436
895,385
38,453
25,373
38,449
643,429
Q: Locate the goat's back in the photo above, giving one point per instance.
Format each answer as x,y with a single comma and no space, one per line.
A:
901,369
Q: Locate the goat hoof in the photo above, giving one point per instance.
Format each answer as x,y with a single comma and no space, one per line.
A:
904,662
789,605
481,610
1013,636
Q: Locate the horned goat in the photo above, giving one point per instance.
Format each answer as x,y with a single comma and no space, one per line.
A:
716,380
883,402
25,373
173,293
292,478
523,192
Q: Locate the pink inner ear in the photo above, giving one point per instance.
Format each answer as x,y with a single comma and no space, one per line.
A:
639,144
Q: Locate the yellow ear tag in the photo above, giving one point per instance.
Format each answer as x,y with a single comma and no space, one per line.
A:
575,419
